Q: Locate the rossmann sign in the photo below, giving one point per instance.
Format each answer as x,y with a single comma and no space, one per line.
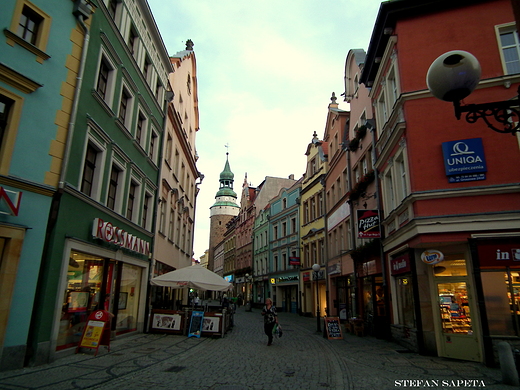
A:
117,236
464,160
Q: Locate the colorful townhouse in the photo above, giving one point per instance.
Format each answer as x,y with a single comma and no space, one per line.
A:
101,230
40,60
450,188
312,227
179,178
284,267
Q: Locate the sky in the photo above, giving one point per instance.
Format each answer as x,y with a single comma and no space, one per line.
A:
266,71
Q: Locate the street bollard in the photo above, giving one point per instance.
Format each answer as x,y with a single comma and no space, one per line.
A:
507,364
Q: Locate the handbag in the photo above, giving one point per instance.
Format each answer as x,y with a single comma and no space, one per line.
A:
275,329
279,331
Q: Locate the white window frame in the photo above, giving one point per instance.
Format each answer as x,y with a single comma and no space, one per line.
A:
507,28
121,179
111,79
100,163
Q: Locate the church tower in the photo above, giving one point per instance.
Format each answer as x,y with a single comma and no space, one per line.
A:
222,211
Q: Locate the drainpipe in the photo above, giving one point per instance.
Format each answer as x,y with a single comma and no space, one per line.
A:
82,11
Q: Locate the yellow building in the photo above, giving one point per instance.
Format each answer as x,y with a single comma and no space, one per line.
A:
312,230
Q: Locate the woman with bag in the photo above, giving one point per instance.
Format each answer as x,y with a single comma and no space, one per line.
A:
270,319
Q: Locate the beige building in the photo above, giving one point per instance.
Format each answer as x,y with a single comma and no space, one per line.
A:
173,248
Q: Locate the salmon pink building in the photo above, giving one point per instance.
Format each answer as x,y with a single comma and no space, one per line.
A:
450,189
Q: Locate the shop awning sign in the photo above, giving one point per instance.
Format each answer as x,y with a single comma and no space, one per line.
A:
114,235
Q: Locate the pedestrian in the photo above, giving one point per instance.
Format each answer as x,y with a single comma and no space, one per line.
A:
270,319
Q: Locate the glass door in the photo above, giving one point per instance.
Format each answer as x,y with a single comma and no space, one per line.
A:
458,337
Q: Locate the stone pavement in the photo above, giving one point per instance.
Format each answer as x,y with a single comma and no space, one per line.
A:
300,359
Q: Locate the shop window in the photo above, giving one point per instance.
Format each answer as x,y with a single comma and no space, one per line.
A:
404,292
454,308
82,295
451,267
128,299
502,300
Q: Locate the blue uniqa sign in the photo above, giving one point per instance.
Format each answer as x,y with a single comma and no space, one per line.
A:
464,160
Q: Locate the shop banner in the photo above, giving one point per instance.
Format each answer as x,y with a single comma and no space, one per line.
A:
368,224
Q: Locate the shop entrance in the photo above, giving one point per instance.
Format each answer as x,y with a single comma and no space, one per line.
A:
459,340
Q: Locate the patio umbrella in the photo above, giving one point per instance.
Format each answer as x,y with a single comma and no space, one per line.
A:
195,276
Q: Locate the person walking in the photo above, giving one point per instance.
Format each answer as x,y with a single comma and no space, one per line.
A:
270,319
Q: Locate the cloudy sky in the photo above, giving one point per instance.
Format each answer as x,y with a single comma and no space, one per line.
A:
266,71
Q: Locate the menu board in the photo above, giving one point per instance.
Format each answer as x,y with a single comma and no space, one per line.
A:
333,328
195,329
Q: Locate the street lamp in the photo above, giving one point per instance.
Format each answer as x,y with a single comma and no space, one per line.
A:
316,269
454,75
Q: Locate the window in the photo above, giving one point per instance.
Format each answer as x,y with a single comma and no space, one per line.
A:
152,153
89,170
392,88
389,191
305,212
293,225
146,210
131,200
133,41
171,224
402,187
284,229
284,203
168,154
510,49
30,28
123,106
105,80
6,105
29,24
141,124
112,8
382,110
112,187
162,215
102,83
275,232
148,70
313,208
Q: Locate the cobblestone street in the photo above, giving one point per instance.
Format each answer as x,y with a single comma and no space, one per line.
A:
301,359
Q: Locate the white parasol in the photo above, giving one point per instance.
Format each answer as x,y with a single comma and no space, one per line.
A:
195,276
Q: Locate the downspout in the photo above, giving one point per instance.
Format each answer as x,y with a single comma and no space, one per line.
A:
352,229
81,17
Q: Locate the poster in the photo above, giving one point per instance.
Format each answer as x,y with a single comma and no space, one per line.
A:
92,334
211,324
167,321
197,318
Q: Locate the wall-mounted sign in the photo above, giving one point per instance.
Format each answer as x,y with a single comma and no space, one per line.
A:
114,235
10,202
499,253
464,160
368,224
432,256
400,265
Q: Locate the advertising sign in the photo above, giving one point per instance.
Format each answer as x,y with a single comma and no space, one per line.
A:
432,256
464,160
368,224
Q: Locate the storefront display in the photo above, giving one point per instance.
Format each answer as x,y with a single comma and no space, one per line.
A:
454,308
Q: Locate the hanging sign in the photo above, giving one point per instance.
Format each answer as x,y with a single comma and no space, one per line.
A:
195,329
432,256
368,224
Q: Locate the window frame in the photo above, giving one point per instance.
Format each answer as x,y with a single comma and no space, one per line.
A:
108,95
11,130
42,36
100,164
502,29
